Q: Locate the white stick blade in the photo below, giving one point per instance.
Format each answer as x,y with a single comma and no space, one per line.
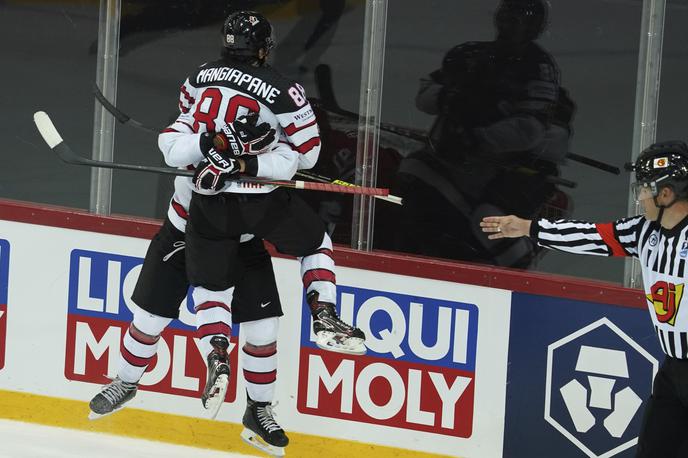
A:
47,129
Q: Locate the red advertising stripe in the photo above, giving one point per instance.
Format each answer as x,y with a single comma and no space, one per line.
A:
411,396
3,333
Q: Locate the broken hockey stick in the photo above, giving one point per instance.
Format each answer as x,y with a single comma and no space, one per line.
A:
66,153
127,120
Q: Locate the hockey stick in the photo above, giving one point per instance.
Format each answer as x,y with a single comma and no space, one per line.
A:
120,115
127,120
56,143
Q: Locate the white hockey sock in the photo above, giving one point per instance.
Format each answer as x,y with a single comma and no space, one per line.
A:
213,316
260,370
317,272
140,344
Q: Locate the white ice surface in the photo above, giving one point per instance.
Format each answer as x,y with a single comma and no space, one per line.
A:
27,440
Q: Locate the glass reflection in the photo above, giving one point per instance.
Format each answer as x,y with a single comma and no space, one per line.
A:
501,131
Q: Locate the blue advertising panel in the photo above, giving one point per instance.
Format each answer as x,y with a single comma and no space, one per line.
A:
579,375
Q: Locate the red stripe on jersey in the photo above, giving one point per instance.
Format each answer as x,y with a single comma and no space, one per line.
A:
260,378
133,359
179,209
212,304
169,129
213,329
326,252
318,275
291,129
182,108
264,351
186,95
307,146
140,337
606,231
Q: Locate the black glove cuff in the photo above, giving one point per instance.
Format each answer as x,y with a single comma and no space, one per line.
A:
206,142
251,165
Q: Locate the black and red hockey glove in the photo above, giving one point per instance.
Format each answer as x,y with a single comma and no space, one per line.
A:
243,136
213,171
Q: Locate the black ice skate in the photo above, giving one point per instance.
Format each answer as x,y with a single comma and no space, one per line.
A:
332,333
111,398
261,430
218,376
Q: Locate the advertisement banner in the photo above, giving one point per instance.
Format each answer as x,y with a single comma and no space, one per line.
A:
418,373
99,313
4,287
579,375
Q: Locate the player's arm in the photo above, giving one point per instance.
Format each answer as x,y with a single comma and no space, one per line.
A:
618,238
299,126
179,142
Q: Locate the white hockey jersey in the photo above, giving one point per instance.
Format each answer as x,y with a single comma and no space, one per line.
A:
217,94
662,254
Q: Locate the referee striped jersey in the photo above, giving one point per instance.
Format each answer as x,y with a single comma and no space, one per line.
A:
662,254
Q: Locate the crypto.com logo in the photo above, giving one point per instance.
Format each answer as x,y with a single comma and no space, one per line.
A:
596,380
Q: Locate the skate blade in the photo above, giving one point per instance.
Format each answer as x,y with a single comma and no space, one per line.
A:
348,345
213,403
256,441
97,416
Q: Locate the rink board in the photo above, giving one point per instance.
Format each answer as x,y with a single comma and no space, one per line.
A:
462,360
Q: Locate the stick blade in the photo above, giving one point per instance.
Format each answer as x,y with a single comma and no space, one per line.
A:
47,129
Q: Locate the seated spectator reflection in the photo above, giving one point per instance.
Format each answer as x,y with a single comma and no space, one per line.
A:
501,132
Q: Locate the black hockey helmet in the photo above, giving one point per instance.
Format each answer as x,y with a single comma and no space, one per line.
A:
244,33
659,165
527,15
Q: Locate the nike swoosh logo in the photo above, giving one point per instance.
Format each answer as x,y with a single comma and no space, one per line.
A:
263,305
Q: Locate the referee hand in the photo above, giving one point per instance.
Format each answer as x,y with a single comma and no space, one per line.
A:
500,227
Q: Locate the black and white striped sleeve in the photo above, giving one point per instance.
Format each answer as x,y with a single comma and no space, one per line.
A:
619,238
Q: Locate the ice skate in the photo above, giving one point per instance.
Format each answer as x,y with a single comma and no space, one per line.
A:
111,398
331,332
261,430
218,376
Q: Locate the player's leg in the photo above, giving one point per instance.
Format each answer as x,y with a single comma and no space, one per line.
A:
302,234
160,288
257,307
213,265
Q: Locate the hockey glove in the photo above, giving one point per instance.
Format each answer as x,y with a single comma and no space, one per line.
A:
213,171
244,136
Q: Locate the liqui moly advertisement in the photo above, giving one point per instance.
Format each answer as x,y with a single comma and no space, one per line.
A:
418,373
99,312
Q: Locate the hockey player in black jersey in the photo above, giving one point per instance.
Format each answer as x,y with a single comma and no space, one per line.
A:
659,239
231,109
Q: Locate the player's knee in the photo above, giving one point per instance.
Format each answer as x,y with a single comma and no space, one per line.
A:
148,323
202,295
261,333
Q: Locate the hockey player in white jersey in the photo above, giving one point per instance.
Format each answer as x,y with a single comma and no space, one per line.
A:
659,239
231,108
